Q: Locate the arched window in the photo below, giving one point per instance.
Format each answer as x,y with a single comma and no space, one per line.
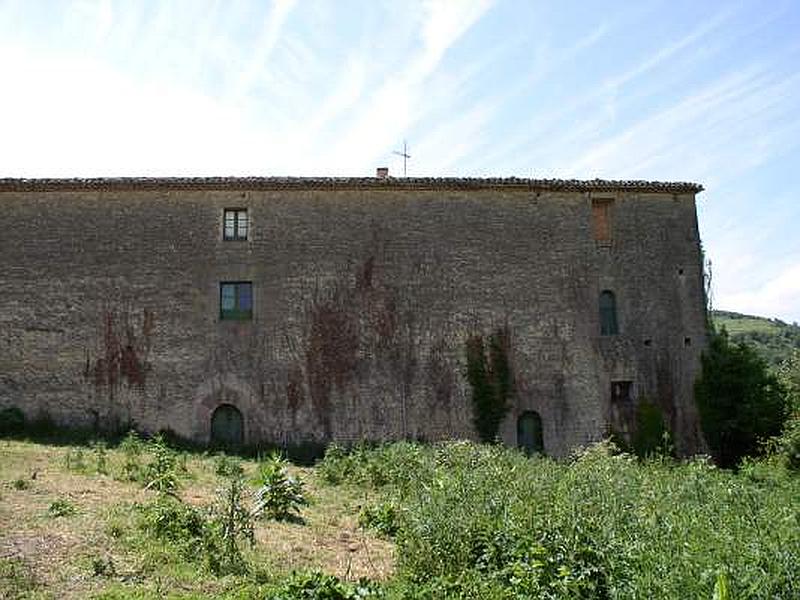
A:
529,433
227,427
608,313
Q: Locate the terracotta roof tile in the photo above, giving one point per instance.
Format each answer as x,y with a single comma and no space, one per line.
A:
335,183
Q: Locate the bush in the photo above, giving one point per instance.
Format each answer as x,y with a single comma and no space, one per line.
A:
184,527
335,467
280,496
399,465
21,484
320,586
383,517
789,444
161,473
740,402
103,567
231,524
12,421
487,522
227,466
61,508
212,537
651,436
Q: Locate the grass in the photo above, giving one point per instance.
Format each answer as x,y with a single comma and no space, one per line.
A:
70,531
736,323
454,520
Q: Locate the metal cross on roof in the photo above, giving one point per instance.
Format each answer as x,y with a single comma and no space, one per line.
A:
405,156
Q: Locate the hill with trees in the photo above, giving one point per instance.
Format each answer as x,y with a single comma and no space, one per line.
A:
774,340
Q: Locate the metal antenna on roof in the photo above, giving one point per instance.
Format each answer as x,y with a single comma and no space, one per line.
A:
405,156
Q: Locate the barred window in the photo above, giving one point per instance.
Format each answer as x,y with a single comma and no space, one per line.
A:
235,224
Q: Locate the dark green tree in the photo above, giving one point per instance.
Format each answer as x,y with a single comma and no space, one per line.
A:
740,401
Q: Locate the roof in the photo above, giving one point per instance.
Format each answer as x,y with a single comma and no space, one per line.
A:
342,183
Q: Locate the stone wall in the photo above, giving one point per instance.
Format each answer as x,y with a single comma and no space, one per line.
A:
364,299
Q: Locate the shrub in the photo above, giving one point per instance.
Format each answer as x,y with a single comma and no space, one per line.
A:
383,517
651,436
399,465
169,520
16,579
103,567
61,507
280,496
336,466
12,421
486,522
227,466
789,444
161,473
739,400
315,585
21,484
231,524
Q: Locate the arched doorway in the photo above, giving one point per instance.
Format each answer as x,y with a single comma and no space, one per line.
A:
529,433
227,427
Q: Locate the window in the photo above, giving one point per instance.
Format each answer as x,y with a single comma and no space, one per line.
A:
621,392
236,301
601,219
235,224
608,313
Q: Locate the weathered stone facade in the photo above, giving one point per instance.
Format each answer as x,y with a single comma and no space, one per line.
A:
365,294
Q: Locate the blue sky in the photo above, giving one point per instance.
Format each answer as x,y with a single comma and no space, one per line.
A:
689,91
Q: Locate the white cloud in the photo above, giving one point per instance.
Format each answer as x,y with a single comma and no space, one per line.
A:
779,296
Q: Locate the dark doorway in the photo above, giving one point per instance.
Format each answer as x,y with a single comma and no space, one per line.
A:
227,427
529,433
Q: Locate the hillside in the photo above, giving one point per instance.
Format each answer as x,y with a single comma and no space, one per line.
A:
772,338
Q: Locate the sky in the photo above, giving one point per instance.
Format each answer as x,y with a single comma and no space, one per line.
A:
674,90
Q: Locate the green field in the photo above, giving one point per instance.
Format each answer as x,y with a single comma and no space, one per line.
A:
456,520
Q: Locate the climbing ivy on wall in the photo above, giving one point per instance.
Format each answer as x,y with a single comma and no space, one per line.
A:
491,381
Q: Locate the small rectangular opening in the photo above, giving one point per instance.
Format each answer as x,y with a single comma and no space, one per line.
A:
621,392
601,218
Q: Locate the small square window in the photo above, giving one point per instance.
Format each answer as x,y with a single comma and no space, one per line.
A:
234,224
621,392
236,301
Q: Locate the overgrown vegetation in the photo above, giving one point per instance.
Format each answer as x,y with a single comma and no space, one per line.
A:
280,496
741,403
486,522
465,521
651,436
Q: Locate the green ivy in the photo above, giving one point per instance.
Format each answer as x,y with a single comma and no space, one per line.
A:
491,381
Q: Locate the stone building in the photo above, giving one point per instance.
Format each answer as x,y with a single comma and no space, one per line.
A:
291,310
